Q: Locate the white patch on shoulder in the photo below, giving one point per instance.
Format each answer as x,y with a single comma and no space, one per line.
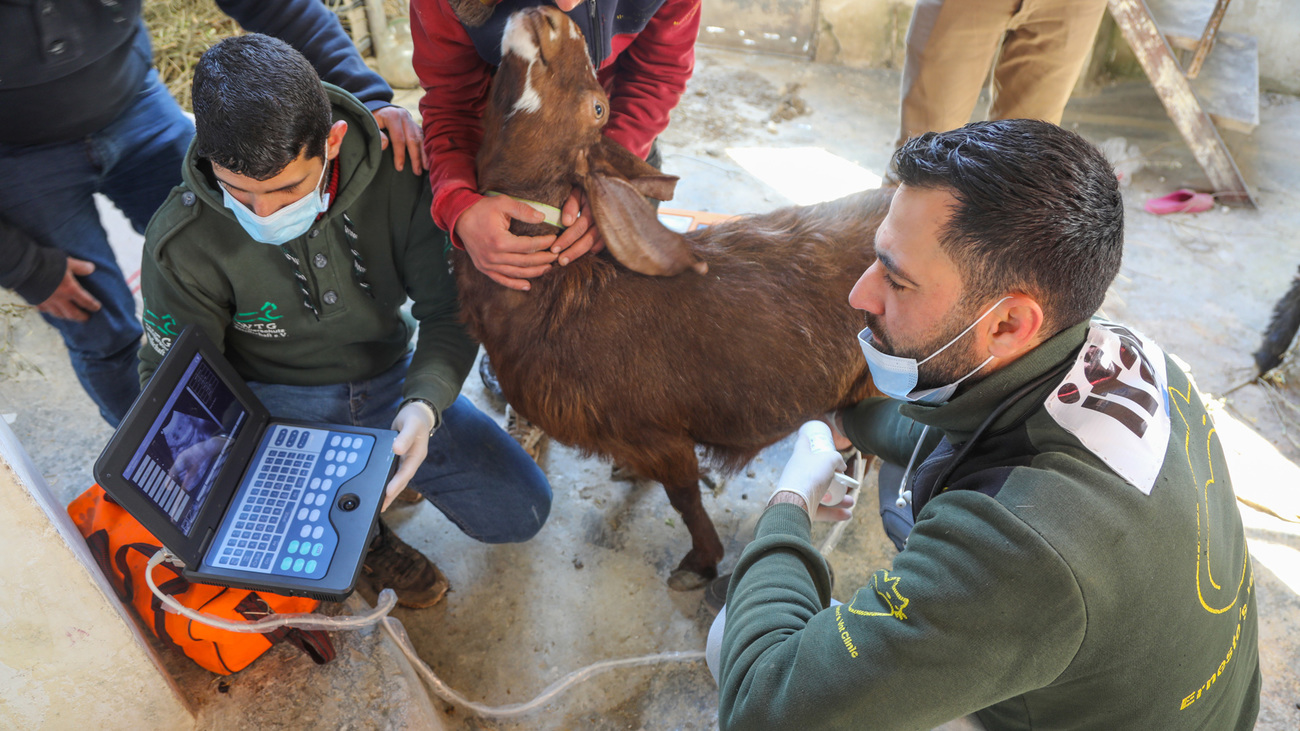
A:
1115,400
516,40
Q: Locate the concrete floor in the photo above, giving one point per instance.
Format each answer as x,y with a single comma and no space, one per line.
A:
591,586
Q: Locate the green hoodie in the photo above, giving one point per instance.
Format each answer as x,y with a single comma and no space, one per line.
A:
200,268
1038,589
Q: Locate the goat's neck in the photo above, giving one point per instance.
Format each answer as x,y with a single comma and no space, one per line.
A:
517,170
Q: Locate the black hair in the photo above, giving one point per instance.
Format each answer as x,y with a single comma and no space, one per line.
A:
1038,211
258,105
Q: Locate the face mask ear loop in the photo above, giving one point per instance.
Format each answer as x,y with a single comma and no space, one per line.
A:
968,329
904,494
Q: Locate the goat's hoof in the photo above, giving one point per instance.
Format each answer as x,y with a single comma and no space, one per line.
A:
687,580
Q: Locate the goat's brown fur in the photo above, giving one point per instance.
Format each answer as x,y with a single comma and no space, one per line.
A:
642,368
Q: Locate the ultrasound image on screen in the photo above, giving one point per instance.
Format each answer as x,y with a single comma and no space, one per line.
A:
188,444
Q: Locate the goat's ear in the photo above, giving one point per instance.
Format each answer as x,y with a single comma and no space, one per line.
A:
616,160
659,187
633,233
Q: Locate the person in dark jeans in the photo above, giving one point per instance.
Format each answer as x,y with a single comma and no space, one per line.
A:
82,111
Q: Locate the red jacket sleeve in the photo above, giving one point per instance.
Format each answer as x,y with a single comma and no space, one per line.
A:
455,82
649,74
644,79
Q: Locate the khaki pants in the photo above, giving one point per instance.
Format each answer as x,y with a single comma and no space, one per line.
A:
1039,45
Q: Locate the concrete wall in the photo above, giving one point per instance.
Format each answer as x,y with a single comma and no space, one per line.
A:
69,657
863,33
1276,25
871,34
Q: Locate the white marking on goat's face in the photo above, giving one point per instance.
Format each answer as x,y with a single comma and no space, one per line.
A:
518,41
576,35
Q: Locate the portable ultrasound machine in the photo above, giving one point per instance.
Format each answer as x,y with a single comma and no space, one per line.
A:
244,499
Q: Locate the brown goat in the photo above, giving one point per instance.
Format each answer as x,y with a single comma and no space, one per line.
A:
745,334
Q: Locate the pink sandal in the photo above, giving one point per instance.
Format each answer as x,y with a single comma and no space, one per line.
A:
1183,200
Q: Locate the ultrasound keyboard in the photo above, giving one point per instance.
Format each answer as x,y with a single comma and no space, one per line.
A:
279,520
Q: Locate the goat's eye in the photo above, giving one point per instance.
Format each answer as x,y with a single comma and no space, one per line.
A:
599,109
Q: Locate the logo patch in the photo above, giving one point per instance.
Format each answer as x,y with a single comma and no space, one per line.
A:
886,590
160,330
261,322
1114,400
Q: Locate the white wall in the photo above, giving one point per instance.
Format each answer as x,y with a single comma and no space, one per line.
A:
69,658
1276,25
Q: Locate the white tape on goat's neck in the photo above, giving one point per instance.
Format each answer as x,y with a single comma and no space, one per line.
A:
551,212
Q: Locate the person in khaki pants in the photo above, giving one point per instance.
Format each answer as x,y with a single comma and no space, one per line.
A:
1039,47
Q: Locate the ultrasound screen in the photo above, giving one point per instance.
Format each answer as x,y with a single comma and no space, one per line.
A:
187,444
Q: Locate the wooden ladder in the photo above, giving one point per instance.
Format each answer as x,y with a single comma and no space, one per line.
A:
1216,79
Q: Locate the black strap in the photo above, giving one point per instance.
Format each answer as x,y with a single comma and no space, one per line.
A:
1001,408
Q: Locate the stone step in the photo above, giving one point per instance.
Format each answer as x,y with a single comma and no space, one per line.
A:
1228,85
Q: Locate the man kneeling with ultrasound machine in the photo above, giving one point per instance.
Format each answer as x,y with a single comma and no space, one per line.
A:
292,244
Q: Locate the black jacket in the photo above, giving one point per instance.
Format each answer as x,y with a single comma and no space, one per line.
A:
69,67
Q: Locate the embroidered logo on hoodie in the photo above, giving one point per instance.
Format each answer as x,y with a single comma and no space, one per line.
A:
261,323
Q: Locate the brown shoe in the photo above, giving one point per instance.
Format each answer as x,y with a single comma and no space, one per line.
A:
529,435
393,564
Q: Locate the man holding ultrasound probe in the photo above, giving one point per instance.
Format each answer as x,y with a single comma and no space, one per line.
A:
293,244
1077,559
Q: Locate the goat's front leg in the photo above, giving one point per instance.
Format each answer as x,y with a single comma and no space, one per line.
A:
701,564
670,459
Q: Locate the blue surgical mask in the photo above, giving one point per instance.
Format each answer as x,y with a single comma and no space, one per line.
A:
286,224
896,376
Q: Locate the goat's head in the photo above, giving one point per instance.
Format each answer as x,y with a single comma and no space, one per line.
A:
542,136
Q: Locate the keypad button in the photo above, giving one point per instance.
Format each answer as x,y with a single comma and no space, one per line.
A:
352,457
297,565
342,471
327,484
317,532
314,516
286,563
334,441
317,548
293,546
311,567
302,513
330,469
347,442
306,531
329,455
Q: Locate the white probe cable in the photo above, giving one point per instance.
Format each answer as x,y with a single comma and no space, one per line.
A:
398,633
387,599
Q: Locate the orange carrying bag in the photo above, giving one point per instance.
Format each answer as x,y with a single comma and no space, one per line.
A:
122,548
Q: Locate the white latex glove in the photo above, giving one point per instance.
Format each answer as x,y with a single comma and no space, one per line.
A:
414,425
811,471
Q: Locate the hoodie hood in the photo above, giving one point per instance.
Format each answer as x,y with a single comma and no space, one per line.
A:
358,159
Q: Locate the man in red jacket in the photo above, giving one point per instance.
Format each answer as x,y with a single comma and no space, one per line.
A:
643,50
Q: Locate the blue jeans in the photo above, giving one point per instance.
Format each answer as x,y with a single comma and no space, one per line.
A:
45,190
475,473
